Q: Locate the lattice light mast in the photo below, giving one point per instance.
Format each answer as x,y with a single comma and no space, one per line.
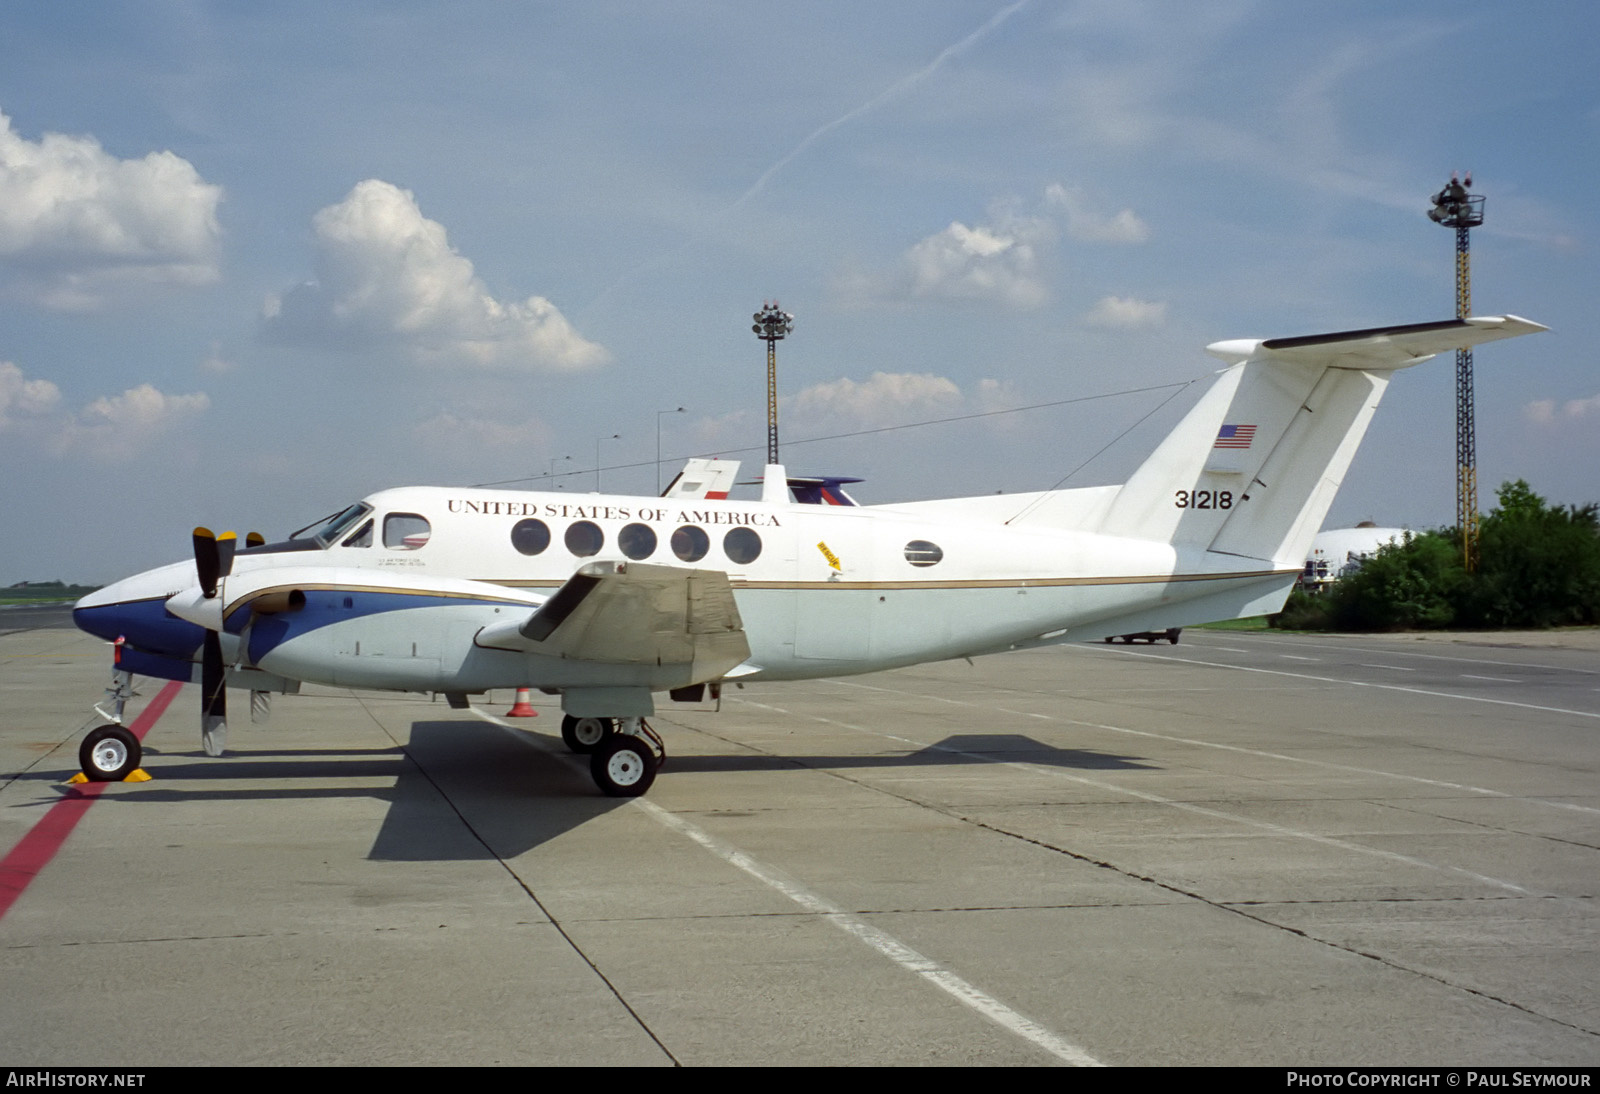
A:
1454,208
770,326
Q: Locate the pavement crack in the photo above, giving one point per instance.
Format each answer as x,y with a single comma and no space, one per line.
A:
544,910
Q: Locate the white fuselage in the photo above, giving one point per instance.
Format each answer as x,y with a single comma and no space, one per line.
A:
829,590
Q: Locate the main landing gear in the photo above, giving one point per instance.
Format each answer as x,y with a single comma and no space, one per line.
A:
624,753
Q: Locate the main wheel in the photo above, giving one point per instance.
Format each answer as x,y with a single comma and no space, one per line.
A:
584,735
109,754
623,767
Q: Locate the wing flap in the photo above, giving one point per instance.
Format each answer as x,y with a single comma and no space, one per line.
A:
630,613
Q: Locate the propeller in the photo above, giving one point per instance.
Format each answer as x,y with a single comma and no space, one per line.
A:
213,561
213,697
213,558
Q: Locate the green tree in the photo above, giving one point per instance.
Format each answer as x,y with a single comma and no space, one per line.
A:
1414,584
1538,564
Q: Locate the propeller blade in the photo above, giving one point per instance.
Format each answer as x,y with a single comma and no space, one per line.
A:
255,539
227,543
207,560
213,697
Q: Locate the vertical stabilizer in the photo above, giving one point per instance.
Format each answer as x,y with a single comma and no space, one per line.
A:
1252,469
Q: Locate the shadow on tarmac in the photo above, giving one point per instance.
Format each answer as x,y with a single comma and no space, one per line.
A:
474,791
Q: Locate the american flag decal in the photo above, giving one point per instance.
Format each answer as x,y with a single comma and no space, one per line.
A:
1235,436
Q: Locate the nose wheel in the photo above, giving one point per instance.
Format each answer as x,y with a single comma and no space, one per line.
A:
109,754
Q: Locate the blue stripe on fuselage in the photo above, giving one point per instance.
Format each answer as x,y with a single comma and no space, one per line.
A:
145,624
325,607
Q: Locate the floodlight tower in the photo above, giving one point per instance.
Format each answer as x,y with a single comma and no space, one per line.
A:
770,326
1454,208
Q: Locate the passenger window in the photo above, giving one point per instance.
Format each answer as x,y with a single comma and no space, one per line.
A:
637,541
741,545
406,531
585,538
363,538
919,552
690,544
530,537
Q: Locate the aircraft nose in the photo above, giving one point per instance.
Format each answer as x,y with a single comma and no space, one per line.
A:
136,609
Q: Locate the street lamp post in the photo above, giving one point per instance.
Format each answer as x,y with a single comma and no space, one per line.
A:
551,474
597,440
770,326
659,413
1454,208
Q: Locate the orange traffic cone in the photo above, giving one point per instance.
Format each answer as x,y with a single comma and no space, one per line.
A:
523,708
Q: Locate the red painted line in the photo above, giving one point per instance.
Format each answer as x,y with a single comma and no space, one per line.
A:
34,851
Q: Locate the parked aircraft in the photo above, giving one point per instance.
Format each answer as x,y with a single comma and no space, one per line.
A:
610,600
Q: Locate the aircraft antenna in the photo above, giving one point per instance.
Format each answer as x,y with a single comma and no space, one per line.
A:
770,326
1454,208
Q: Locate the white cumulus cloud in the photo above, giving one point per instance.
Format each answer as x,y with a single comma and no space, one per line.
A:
1083,223
386,276
117,426
77,222
1001,260
979,263
1126,312
888,398
1551,412
22,398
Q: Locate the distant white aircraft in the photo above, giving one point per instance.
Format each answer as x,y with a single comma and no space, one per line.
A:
608,600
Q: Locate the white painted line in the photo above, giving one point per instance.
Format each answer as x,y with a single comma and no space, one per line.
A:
1362,684
1292,657
1493,679
1391,668
879,940
1365,648
1157,799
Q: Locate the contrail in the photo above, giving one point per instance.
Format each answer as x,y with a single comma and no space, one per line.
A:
884,96
895,89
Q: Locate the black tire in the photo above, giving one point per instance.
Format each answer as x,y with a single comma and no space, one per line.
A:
584,735
623,767
1172,635
1110,638
109,754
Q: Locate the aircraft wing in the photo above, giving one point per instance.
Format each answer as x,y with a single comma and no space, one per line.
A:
631,613
1380,348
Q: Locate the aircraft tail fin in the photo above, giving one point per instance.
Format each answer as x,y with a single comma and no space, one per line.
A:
1252,469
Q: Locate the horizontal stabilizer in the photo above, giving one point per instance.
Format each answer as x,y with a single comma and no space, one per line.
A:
1380,348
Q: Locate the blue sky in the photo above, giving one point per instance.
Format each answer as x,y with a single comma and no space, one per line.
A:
259,260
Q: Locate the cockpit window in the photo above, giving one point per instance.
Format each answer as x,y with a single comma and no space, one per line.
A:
338,524
406,531
363,538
